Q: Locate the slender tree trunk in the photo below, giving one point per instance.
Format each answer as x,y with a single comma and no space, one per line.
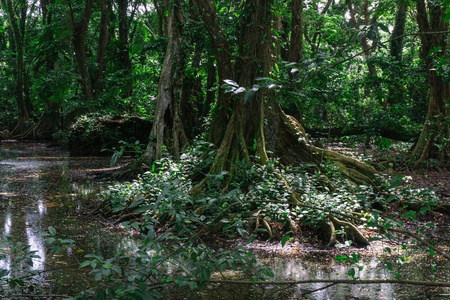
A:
79,33
395,94
101,48
315,40
210,87
161,19
364,43
124,54
296,44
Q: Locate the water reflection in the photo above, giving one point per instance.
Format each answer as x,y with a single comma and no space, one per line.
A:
42,187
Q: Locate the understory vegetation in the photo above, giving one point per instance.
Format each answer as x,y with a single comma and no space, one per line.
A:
246,121
182,231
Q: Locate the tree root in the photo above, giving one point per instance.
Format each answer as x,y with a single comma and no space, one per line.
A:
329,231
355,170
352,233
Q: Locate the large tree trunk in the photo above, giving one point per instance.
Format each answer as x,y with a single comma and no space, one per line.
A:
167,126
256,122
433,141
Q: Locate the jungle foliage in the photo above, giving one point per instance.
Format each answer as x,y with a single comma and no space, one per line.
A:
232,92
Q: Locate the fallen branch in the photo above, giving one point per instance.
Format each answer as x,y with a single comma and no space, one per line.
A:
338,281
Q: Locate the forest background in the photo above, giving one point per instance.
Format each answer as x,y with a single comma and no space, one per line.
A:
239,84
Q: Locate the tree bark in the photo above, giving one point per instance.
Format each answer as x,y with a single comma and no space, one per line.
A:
395,94
101,47
124,54
79,34
167,120
221,115
433,141
296,44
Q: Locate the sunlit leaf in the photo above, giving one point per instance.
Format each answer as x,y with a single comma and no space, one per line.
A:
341,258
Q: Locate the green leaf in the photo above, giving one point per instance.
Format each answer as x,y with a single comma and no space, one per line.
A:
389,266
424,210
284,239
143,208
355,258
249,93
50,240
139,200
410,214
447,15
270,272
351,272
383,27
390,198
85,264
251,238
52,230
3,273
117,269
107,266
431,252
192,285
394,184
341,258
242,231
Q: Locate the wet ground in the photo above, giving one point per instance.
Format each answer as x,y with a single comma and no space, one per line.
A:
42,186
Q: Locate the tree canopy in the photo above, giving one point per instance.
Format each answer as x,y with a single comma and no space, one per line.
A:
237,93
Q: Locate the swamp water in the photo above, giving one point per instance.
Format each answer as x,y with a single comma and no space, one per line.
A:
41,187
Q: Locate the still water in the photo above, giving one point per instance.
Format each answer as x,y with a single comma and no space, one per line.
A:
42,186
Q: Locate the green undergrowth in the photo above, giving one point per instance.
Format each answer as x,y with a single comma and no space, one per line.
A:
183,240
180,233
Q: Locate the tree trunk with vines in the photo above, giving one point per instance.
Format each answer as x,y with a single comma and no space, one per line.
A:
433,141
168,128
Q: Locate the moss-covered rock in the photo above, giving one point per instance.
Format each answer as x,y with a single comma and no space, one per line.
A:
89,135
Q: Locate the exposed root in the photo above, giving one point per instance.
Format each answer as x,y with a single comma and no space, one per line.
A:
355,170
266,226
352,233
329,231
